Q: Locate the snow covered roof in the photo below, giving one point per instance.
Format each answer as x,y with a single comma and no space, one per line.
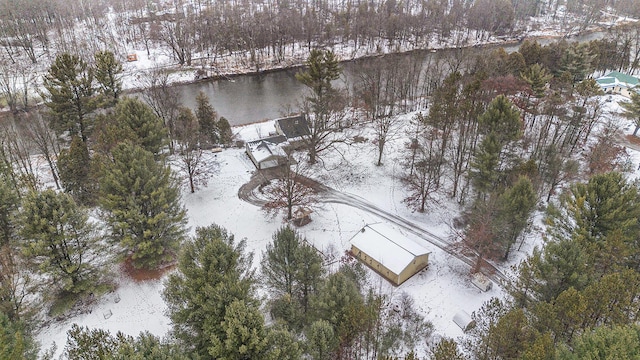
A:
388,246
293,127
265,148
618,79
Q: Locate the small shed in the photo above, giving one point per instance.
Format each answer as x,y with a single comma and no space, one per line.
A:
481,281
132,57
293,127
267,153
302,216
389,252
464,320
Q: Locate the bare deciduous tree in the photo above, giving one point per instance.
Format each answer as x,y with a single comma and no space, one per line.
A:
188,150
289,189
163,99
43,139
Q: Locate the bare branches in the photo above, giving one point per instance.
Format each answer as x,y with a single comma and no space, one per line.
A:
290,189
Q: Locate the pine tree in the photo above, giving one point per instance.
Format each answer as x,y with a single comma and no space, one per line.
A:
292,271
213,272
280,262
142,206
578,61
538,78
74,168
341,304
98,344
245,336
83,343
283,345
15,342
484,172
71,99
108,73
208,118
617,342
516,205
60,240
446,349
322,67
321,340
144,127
9,203
224,131
309,276
590,212
502,119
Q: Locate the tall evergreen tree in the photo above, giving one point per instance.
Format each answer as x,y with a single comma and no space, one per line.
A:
280,262
283,345
245,336
322,68
208,119
321,340
74,168
309,276
618,342
8,208
142,206
98,344
60,240
484,172
516,205
143,126
224,130
213,272
71,99
502,119
446,349
342,305
538,78
108,73
15,342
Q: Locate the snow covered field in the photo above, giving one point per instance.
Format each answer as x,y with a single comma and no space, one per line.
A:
440,291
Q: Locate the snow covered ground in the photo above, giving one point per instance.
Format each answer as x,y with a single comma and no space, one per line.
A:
439,291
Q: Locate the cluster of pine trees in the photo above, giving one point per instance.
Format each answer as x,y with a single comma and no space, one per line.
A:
116,199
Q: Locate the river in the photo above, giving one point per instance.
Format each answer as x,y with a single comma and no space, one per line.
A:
251,98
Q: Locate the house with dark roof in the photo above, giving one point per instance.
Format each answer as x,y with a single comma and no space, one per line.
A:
293,127
618,83
268,152
389,252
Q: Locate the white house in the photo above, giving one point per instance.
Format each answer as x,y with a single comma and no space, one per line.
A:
618,83
267,153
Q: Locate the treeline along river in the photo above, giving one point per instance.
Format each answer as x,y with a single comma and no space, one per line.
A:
252,98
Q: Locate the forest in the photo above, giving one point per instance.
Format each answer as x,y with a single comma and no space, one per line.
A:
505,136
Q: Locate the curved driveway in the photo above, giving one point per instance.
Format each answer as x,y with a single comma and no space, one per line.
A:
249,192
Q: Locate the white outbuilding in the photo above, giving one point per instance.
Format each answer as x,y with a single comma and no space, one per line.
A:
389,252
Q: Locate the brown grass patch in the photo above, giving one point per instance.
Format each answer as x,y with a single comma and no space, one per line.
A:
142,275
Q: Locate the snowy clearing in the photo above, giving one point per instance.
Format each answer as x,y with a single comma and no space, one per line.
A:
440,291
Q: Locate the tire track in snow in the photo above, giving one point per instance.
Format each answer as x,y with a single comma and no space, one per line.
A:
248,193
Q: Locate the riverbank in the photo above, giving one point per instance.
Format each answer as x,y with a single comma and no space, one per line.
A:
346,53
